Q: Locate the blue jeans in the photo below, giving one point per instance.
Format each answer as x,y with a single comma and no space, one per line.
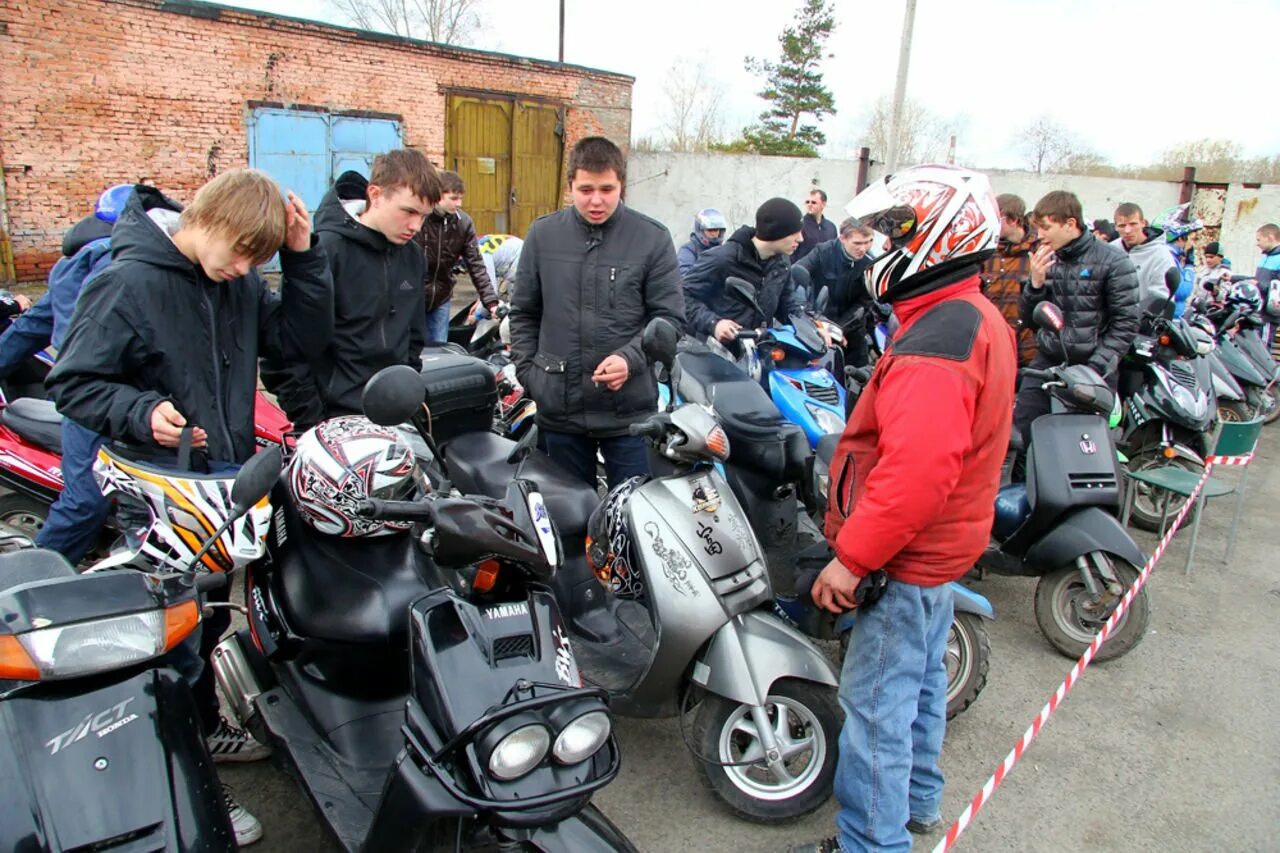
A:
625,456
438,324
894,693
77,516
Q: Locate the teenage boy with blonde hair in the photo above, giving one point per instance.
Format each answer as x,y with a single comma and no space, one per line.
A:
167,338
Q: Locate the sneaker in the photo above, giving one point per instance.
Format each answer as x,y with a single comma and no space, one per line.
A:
246,827
826,845
230,743
916,826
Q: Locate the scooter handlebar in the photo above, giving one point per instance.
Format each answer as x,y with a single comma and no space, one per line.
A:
396,510
746,335
650,429
1037,375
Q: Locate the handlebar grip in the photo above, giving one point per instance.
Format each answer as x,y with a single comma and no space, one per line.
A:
1037,375
396,510
746,334
211,581
649,428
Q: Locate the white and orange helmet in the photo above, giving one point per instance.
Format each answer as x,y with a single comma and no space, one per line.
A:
928,220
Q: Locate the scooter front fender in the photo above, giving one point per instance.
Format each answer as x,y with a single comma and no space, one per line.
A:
753,650
1091,529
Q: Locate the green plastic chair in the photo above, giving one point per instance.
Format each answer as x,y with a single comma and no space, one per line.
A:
1233,439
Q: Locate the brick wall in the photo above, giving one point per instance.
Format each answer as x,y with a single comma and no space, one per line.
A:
98,92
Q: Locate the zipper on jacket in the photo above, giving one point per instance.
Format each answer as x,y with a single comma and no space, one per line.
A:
613,277
219,408
386,292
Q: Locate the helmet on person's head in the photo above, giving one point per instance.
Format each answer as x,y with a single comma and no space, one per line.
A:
709,219
1178,222
111,203
929,220
341,462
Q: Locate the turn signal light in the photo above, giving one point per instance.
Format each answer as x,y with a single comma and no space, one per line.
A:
777,354
1165,340
486,576
15,663
718,442
1169,453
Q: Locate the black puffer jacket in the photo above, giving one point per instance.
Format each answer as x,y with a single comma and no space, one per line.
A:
584,292
152,327
1096,286
706,301
444,238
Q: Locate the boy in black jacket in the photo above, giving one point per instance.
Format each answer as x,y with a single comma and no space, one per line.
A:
367,229
168,337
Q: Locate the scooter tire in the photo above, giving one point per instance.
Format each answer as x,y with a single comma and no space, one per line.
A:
715,735
1145,518
1234,411
24,514
1057,595
969,649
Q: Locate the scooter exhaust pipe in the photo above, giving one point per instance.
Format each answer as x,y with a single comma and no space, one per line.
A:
235,678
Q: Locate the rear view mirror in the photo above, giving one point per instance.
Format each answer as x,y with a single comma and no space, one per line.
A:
255,479
659,341
824,299
393,395
1048,316
741,289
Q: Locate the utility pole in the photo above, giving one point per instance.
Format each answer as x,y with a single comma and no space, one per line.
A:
562,30
900,88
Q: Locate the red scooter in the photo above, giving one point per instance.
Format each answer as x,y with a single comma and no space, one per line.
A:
31,455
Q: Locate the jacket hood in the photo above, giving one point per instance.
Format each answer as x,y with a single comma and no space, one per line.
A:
743,238
338,210
1155,240
83,233
145,228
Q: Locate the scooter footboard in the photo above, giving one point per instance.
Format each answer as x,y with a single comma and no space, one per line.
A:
752,651
1091,529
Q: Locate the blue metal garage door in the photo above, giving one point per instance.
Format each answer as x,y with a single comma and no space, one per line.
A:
305,150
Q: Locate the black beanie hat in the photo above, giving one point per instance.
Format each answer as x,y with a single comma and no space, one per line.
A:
777,218
1213,249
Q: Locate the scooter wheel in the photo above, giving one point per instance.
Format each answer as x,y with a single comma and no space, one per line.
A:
1148,500
968,659
1069,619
804,717
25,515
1234,411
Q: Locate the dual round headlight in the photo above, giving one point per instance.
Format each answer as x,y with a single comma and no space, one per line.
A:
526,747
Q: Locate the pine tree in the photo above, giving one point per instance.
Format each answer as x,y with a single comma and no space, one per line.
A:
794,87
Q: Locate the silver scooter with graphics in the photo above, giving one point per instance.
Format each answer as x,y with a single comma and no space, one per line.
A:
691,602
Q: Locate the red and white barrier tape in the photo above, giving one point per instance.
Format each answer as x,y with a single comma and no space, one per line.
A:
980,799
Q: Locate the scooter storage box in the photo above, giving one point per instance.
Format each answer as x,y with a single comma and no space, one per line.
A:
460,392
1074,463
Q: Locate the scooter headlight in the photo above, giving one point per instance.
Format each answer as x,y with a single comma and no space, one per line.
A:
98,645
582,738
827,420
519,752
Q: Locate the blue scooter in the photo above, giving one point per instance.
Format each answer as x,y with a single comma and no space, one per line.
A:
787,360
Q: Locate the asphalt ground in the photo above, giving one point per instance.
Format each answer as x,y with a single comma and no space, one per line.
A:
1173,747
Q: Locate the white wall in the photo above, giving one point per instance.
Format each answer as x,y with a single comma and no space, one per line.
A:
1246,210
673,187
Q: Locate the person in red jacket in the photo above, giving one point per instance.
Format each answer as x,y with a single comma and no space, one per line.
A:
913,484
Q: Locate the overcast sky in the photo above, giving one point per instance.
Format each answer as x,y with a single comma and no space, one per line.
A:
1130,78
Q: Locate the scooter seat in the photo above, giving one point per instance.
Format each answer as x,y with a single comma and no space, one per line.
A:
30,565
760,438
37,421
355,591
478,465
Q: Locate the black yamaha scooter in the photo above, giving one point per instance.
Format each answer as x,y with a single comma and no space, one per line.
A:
1060,525
100,744
417,717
